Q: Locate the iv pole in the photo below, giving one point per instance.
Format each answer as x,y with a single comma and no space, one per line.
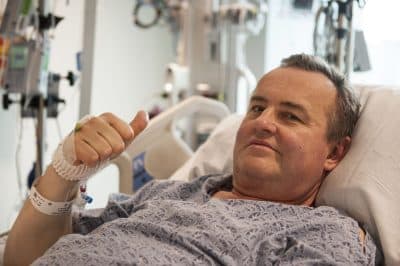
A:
42,88
27,72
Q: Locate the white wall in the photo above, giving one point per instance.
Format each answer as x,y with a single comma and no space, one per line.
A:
289,31
380,21
129,62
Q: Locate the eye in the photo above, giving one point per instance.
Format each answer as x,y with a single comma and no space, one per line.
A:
291,117
256,109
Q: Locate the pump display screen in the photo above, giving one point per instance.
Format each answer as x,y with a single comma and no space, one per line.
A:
18,58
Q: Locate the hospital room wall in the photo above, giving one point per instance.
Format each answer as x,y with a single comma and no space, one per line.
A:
380,20
289,31
130,62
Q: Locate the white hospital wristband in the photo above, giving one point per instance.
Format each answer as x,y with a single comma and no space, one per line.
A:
49,207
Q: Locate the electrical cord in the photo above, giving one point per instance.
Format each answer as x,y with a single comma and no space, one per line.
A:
21,193
17,155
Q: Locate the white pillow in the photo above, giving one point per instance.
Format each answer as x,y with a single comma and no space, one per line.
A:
366,184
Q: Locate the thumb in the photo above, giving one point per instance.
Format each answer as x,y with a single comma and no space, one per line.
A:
139,123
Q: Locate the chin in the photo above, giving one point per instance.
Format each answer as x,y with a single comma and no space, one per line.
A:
259,163
256,170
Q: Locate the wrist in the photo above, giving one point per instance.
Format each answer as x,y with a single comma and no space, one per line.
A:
56,188
64,158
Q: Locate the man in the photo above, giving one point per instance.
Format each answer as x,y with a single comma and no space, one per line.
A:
297,129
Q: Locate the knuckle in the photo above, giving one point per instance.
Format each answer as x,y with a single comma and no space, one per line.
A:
87,125
94,120
105,153
107,115
108,152
129,135
119,148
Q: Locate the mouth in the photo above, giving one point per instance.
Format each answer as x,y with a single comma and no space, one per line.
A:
261,144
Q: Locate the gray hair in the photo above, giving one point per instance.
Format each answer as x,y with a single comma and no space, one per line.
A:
342,120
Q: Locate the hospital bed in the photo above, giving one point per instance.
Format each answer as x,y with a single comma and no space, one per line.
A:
365,185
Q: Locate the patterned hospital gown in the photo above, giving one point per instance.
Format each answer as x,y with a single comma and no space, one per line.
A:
178,223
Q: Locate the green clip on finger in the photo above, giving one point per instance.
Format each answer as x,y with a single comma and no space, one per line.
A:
78,127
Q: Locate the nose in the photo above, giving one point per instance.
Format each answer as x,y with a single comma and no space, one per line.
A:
266,123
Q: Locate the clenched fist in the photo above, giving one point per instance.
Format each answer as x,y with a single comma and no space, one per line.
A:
93,143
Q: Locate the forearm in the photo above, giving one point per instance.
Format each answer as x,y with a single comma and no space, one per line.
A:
34,232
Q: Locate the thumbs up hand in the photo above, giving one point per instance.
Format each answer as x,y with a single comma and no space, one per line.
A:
105,137
94,142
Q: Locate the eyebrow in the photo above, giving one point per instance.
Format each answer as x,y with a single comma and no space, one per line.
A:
258,98
296,106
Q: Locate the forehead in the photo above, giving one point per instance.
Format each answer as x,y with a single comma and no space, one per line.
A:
313,90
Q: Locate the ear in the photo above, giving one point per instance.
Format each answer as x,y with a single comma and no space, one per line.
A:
338,151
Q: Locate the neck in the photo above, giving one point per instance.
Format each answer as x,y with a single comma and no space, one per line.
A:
224,195
237,192
233,195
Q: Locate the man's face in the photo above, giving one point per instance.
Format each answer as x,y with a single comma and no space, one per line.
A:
281,151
